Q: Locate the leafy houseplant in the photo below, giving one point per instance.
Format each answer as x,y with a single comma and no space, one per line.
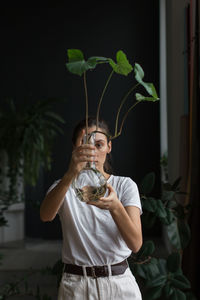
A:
26,139
162,277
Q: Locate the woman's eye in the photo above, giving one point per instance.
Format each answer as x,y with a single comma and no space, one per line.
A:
98,145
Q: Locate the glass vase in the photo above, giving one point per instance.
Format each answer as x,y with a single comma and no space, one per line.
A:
90,184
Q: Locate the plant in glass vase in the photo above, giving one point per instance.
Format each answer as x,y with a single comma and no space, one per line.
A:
90,184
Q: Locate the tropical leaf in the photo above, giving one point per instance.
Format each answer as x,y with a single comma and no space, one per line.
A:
78,65
122,65
149,87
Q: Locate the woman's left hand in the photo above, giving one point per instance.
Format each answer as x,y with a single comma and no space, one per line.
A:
110,202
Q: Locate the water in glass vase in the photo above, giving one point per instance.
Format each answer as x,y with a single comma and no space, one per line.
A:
90,184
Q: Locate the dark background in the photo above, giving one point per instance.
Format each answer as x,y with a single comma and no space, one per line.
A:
34,43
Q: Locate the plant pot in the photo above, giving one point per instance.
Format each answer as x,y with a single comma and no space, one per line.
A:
14,231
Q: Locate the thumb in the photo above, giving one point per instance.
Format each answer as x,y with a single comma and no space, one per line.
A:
80,137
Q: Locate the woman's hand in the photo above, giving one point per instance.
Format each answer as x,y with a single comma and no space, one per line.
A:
81,154
111,202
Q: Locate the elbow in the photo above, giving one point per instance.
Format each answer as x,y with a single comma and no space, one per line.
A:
135,247
45,217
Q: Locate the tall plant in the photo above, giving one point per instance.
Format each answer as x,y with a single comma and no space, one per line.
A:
26,140
162,277
78,65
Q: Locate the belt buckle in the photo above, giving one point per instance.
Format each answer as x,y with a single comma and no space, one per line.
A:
93,272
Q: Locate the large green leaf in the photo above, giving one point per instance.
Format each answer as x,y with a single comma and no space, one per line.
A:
147,249
78,65
149,204
149,87
169,217
122,65
161,211
173,234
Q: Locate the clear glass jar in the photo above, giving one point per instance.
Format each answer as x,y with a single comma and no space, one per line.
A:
90,184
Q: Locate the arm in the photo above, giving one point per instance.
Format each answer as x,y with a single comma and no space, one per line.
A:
54,199
128,222
127,219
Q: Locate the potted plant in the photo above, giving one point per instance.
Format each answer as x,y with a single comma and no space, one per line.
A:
26,139
160,272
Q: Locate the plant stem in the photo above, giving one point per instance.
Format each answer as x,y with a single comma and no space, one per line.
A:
101,98
123,120
121,104
86,106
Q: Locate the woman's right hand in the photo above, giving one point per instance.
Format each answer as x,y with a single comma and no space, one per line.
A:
81,154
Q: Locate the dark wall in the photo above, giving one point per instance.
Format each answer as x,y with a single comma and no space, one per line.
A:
34,41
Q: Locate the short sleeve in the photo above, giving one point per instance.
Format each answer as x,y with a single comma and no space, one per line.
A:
130,194
52,186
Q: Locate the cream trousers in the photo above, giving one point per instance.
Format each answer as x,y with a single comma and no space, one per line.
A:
119,287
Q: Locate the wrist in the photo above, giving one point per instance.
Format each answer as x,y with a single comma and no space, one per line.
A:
68,177
116,208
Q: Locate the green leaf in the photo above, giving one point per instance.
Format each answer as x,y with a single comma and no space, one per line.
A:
75,55
140,97
147,183
147,249
140,270
152,268
122,66
150,204
177,295
173,262
158,281
149,87
167,195
173,234
160,212
94,60
77,64
169,217
168,289
176,183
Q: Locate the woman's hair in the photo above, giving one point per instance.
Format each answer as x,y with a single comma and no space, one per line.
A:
104,127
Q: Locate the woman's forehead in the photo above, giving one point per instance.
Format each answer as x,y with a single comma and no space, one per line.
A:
98,135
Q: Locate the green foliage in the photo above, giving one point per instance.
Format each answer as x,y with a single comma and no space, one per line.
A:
163,278
26,137
122,65
78,65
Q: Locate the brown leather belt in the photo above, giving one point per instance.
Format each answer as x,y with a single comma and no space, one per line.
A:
97,271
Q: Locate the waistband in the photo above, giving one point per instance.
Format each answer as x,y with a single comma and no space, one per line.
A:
97,271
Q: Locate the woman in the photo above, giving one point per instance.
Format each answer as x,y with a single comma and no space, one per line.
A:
98,237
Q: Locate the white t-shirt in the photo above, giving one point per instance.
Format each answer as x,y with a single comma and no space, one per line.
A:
90,235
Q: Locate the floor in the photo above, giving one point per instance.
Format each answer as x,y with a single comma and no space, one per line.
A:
28,261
